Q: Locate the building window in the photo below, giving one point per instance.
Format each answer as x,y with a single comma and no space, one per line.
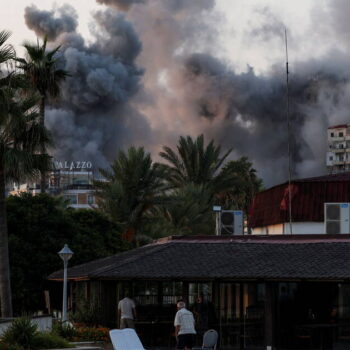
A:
341,134
331,158
198,289
172,292
72,198
332,134
90,199
145,293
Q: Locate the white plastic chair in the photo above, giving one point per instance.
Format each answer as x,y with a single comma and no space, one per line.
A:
210,339
125,339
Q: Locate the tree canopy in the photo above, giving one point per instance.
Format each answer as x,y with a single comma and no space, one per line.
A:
132,186
22,136
39,226
40,67
176,197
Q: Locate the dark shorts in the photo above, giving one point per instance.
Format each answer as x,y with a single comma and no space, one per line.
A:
185,341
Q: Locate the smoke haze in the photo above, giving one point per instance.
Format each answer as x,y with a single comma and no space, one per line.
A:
154,71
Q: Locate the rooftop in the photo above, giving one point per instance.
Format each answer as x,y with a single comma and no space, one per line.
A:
271,206
304,257
339,126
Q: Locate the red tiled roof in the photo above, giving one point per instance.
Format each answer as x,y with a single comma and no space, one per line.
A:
271,207
338,126
344,176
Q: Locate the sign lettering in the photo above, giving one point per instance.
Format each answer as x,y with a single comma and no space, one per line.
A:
71,165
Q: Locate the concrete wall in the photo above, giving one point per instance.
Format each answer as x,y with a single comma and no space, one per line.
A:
268,230
44,323
305,228
284,228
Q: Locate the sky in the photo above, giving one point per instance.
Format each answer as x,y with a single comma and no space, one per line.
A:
238,16
145,72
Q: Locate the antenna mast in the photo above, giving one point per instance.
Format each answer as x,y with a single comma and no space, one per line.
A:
289,146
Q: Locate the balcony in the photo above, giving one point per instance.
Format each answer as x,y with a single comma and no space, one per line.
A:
341,162
340,150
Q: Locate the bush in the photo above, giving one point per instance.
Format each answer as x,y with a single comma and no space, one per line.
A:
66,331
45,340
22,332
87,312
91,334
24,335
4,346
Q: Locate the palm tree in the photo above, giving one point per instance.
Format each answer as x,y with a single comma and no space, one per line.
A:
186,211
41,68
246,184
194,163
21,136
131,188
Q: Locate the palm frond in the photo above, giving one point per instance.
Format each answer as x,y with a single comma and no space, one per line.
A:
6,51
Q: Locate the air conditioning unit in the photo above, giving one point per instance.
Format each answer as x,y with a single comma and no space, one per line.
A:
231,222
337,218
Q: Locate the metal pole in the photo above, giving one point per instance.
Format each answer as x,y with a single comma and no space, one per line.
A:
217,219
64,307
216,224
289,145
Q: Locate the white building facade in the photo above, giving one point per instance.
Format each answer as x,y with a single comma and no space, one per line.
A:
71,179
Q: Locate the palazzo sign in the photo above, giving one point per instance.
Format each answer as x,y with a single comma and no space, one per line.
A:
72,165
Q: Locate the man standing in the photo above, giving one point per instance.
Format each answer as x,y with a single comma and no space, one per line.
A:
184,327
127,312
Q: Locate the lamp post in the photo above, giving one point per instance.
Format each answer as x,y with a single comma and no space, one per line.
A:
65,254
217,210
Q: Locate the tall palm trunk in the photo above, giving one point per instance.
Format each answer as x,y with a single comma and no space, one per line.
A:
5,284
43,150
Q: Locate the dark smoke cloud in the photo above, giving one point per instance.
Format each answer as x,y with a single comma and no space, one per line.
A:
51,23
121,4
199,93
173,5
187,90
92,119
115,36
248,112
188,6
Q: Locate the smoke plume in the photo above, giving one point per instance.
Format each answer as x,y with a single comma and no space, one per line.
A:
51,23
121,4
153,72
92,119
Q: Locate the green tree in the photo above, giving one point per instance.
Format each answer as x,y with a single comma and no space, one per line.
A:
133,186
195,171
246,184
21,137
195,163
39,226
185,211
44,75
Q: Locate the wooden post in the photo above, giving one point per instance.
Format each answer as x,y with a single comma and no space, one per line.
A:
270,313
242,317
185,292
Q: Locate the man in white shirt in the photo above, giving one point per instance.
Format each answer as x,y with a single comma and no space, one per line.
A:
127,313
184,327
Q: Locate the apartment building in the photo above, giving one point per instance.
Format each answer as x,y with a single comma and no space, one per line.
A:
338,151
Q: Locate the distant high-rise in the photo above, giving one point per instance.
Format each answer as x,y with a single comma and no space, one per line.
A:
338,150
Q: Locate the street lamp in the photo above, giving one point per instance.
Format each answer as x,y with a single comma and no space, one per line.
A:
65,254
217,211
